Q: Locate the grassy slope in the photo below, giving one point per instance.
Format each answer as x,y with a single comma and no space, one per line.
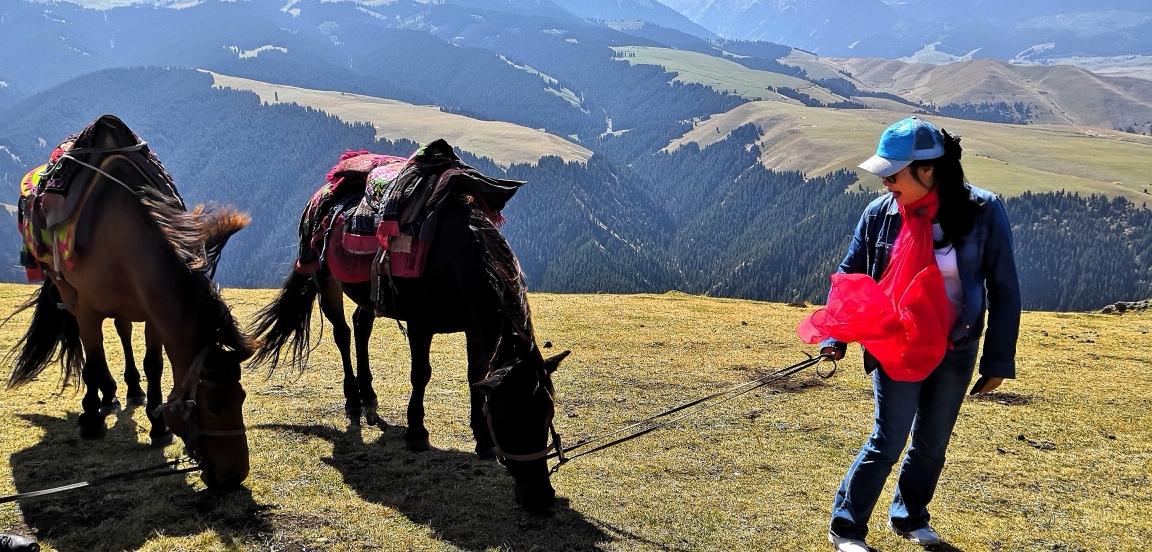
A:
1007,159
504,143
1060,94
721,74
758,475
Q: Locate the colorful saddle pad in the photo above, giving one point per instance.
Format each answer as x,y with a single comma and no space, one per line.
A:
397,204
48,202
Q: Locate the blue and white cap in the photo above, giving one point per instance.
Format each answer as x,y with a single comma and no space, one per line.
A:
904,142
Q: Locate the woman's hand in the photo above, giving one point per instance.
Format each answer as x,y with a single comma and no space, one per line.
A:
991,385
835,353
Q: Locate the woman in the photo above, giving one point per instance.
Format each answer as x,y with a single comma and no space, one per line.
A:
925,261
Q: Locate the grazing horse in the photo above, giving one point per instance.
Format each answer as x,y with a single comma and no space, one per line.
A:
137,255
471,283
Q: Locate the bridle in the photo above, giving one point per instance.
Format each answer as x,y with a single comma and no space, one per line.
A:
546,452
187,407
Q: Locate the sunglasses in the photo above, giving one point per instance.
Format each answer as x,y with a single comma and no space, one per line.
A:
890,179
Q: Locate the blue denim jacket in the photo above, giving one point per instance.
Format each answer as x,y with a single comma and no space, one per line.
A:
987,274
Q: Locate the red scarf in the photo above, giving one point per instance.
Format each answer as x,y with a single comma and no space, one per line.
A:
903,320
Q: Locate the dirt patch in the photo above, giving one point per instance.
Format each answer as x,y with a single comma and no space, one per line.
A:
1006,399
793,384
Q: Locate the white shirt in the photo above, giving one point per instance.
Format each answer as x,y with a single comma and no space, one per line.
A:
946,260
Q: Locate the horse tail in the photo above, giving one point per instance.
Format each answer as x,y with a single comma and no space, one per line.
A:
287,318
53,335
219,225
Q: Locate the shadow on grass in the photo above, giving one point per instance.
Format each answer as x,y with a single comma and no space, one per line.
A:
944,547
123,515
466,501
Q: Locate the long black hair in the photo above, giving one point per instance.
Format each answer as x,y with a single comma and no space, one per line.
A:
957,213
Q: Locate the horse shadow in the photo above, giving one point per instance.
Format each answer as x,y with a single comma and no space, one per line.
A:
465,500
122,515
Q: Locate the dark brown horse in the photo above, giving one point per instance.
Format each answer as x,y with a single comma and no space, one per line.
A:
138,256
471,283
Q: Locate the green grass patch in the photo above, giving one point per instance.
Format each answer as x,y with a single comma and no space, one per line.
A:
721,74
758,473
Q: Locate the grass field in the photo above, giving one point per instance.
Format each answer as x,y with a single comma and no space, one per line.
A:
1008,159
721,74
504,143
756,474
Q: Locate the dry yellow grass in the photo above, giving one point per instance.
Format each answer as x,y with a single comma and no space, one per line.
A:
504,143
1007,159
757,474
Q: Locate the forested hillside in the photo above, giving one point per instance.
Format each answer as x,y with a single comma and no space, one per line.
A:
711,220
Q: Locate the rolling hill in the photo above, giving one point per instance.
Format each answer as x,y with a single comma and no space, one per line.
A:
721,74
1061,94
504,143
1008,159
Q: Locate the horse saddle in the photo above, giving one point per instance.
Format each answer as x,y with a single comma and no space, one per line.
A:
78,159
49,197
407,204
385,221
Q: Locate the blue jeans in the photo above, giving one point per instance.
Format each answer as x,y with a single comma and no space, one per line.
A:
928,409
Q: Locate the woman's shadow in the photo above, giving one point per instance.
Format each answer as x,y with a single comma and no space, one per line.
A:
117,516
466,501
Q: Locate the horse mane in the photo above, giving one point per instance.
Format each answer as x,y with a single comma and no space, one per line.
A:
504,273
197,238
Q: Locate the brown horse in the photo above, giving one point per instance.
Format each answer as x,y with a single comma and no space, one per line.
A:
139,256
471,283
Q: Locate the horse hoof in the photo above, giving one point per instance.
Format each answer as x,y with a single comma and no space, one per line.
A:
374,419
354,415
161,442
487,454
110,407
137,400
94,431
422,445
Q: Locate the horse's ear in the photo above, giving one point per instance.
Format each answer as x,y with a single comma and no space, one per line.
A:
553,362
494,379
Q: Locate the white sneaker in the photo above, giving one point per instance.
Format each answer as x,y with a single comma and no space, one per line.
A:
842,544
924,536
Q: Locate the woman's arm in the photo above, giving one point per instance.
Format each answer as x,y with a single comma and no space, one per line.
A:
999,357
855,262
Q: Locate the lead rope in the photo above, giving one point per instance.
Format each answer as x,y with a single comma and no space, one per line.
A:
733,392
151,472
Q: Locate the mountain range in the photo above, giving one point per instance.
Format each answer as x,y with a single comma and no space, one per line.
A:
1002,29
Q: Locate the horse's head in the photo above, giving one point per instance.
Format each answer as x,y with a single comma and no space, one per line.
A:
519,405
208,416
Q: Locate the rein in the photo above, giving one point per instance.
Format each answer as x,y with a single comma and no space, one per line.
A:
151,472
187,407
648,425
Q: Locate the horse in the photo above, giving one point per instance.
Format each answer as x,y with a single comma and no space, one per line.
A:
471,283
137,255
